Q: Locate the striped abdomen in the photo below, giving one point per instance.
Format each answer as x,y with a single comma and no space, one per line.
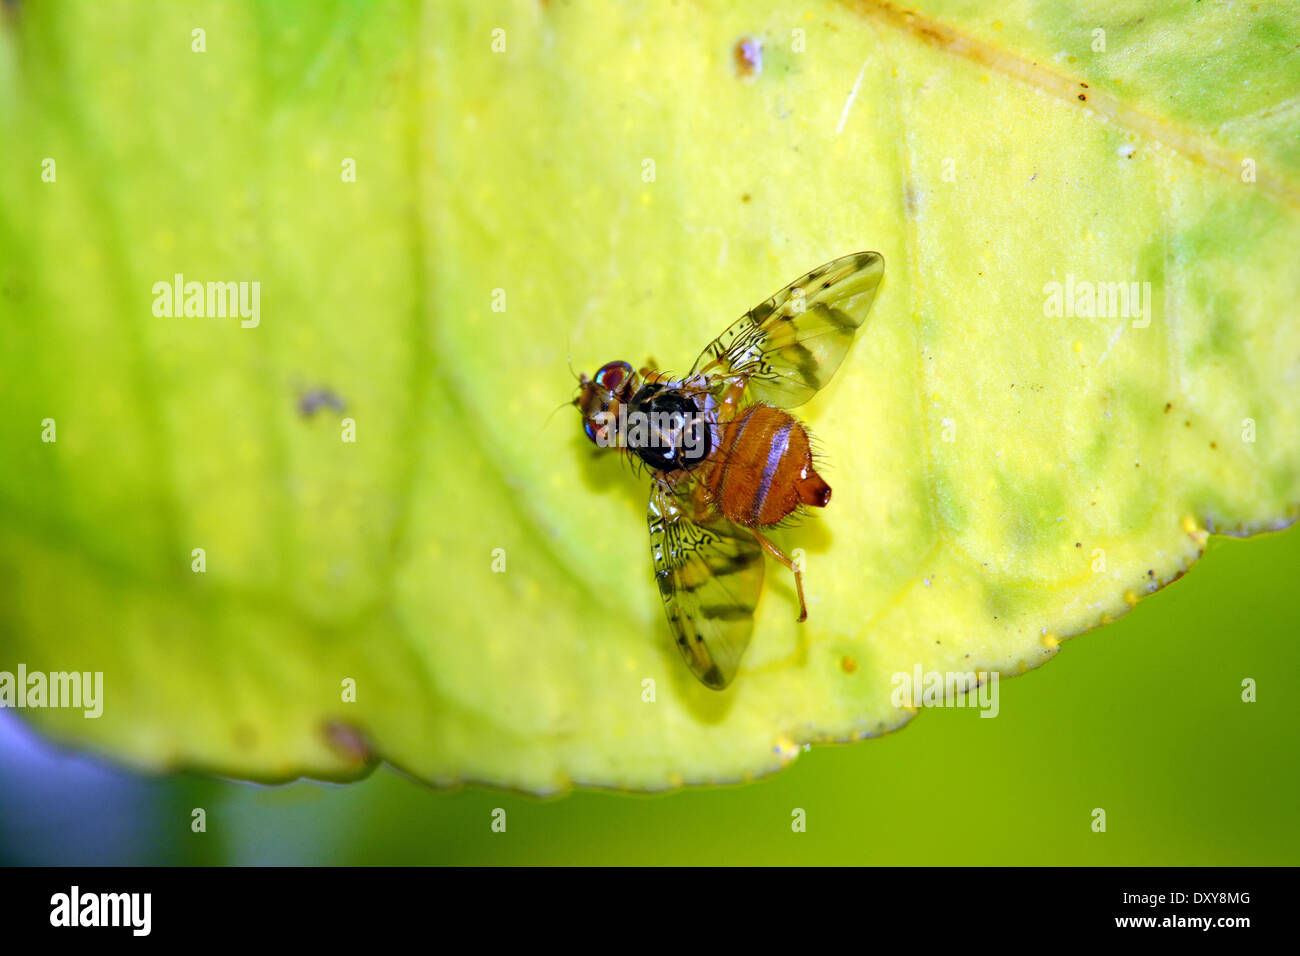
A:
762,469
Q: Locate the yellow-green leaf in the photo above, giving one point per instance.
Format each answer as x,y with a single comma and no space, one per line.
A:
535,181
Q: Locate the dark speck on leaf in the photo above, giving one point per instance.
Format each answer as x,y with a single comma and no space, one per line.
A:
748,54
911,200
314,399
1084,97
745,197
14,289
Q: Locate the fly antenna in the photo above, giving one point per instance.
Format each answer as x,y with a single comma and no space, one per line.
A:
568,357
554,410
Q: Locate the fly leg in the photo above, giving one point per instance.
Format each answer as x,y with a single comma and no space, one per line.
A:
780,555
732,395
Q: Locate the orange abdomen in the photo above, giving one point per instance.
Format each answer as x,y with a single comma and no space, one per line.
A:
762,469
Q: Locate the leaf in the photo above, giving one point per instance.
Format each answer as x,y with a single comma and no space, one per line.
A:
1006,474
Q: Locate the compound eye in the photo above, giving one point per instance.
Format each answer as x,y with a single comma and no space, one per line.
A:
613,375
597,428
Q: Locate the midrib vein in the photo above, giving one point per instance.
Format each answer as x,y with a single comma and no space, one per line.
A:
1191,144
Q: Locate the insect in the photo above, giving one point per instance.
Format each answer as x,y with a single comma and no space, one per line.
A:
726,458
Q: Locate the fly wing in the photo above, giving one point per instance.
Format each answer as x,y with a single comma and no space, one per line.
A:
789,346
709,575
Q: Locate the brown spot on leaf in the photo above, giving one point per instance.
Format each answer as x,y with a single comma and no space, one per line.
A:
748,56
14,289
347,740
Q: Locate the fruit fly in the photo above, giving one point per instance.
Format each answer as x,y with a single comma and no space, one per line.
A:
726,459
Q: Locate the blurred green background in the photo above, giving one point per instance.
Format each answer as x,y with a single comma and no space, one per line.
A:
1142,718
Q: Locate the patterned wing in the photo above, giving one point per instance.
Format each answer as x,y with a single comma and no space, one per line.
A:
709,575
789,346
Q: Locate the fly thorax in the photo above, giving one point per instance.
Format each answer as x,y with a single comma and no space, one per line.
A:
667,429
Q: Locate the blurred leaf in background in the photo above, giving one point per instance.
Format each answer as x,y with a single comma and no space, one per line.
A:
440,203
